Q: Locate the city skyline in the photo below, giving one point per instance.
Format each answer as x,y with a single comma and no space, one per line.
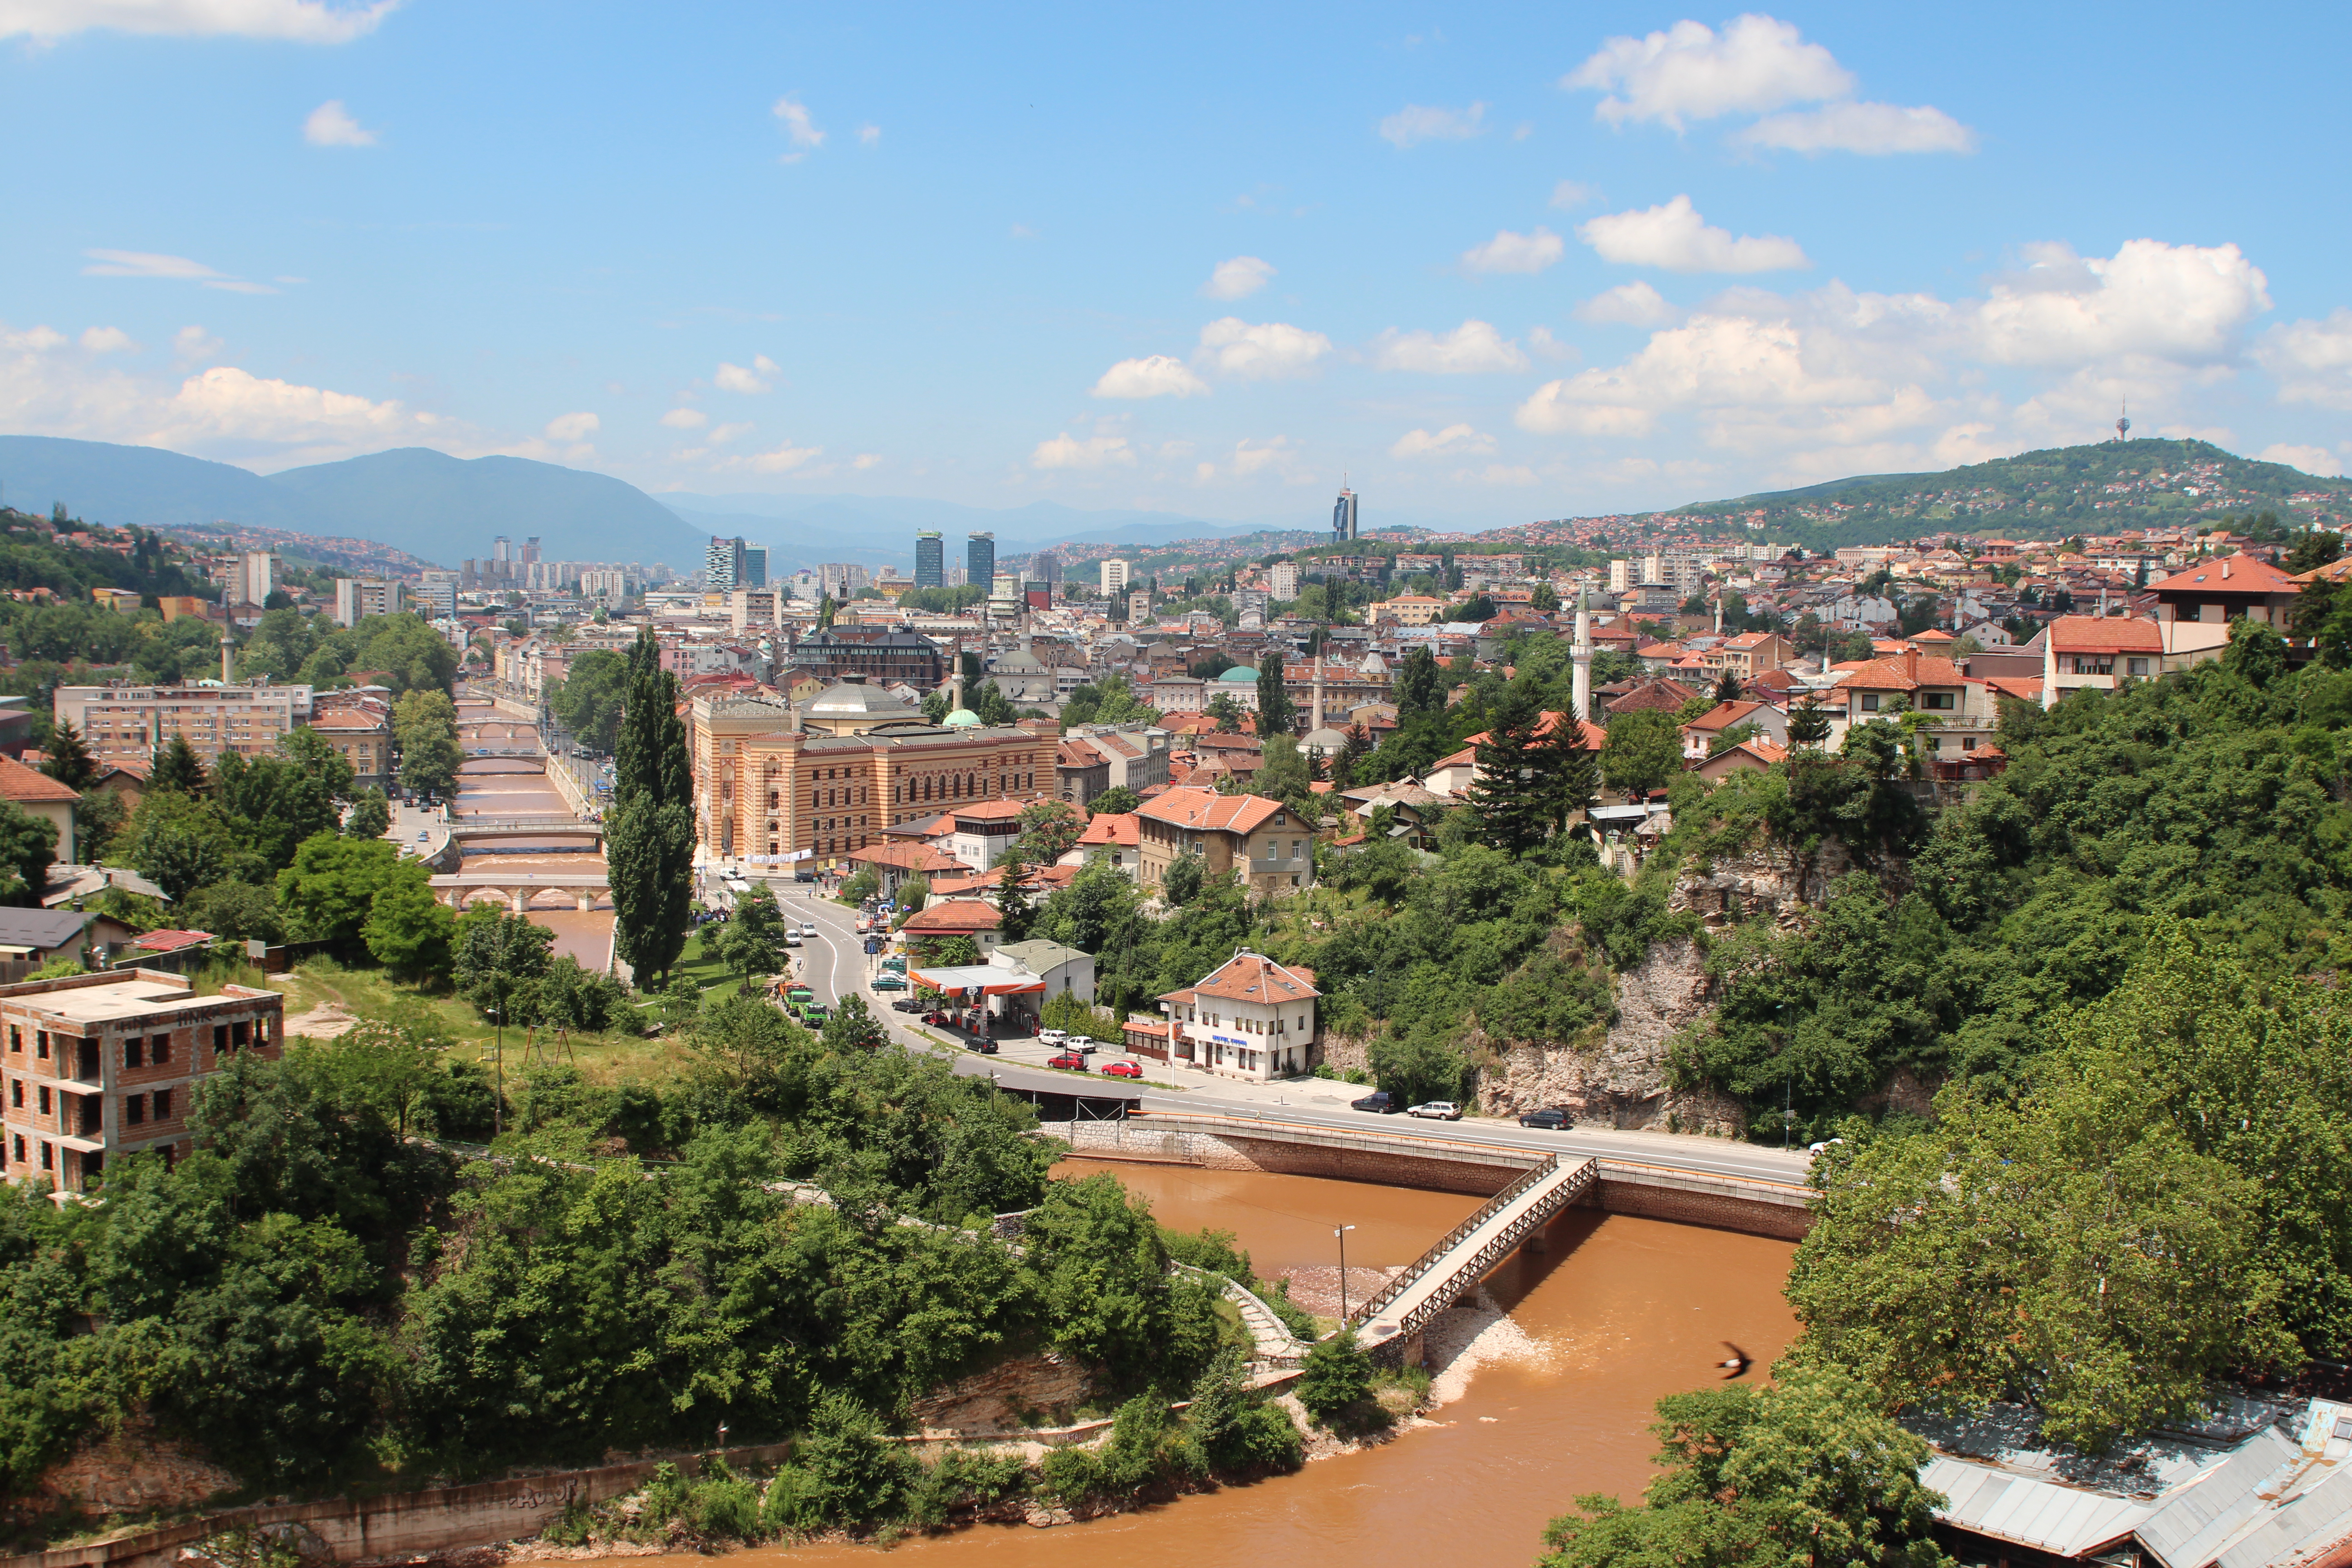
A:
1647,257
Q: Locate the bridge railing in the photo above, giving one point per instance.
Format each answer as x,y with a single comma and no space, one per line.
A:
1498,1246
1396,1287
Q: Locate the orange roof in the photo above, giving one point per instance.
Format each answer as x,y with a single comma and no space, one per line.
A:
1252,977
1724,715
20,783
2104,634
1119,827
1202,809
2026,688
954,917
2229,575
351,719
906,857
992,810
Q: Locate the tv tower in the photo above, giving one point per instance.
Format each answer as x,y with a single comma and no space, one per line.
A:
2123,424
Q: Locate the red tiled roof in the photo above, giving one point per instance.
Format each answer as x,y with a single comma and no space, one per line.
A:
1251,977
169,940
954,917
921,857
20,783
2104,634
1724,715
1112,827
1200,809
2229,575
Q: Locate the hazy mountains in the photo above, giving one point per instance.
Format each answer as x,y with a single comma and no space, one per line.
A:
446,509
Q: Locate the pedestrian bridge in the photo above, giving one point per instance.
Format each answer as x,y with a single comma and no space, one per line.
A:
471,830
518,888
1470,1251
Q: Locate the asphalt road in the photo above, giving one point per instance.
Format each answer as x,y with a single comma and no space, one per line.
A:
835,961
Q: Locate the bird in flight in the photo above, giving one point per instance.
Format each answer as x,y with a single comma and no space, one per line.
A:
1738,1364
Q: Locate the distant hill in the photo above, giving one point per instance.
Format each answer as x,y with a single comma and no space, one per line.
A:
2109,488
120,486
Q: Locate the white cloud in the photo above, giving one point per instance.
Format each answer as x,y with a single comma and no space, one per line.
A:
192,343
108,341
1632,304
865,461
870,134
1675,237
1064,451
2179,303
1156,376
1690,72
1509,252
2316,460
1232,280
736,378
1572,193
2312,361
331,125
301,21
1719,362
1259,352
781,459
1453,441
686,419
1546,346
800,129
722,434
1277,453
1417,123
1515,474
154,264
1872,129
225,409
570,427
1473,348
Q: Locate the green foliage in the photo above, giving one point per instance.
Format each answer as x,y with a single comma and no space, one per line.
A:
178,770
1180,883
649,834
1803,1471
1277,713
28,847
410,930
424,727
752,942
852,1027
1100,1272
589,699
239,911
1237,1433
371,815
1336,1378
330,890
497,961
1116,800
67,759
1644,751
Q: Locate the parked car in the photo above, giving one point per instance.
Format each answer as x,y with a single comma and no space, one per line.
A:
1379,1099
1053,1036
1553,1117
1082,1044
984,1045
1435,1110
909,1005
1122,1070
1068,1061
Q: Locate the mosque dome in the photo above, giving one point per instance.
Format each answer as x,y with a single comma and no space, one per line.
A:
962,718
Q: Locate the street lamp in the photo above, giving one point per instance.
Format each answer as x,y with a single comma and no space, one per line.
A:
1341,1232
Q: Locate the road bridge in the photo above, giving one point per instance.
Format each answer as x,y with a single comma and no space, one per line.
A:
460,889
1466,1254
473,830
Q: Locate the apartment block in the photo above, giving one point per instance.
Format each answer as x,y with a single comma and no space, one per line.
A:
101,1066
130,723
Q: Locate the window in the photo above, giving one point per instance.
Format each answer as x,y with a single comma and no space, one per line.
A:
2136,666
41,1044
220,1039
16,1040
16,1092
1870,702
1938,701
134,1108
163,1105
44,1107
19,1152
48,1158
134,1051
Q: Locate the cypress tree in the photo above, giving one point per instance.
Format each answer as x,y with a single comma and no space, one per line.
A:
1275,712
649,836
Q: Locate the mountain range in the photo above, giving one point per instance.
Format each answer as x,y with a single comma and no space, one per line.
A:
446,509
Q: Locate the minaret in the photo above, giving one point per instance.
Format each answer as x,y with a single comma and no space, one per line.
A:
1317,722
1718,615
228,649
2050,662
1580,652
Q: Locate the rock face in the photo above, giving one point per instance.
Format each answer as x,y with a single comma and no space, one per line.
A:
1018,1392
1769,885
135,1470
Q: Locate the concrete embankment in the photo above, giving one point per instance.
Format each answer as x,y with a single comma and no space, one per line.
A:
1399,1160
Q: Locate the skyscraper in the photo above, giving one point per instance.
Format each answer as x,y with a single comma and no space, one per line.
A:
1343,515
980,559
722,563
930,571
755,566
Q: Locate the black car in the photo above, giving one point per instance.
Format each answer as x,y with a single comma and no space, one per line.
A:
803,876
909,1005
984,1045
1559,1120
1379,1099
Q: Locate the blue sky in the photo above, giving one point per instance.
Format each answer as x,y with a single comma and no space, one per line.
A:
1491,262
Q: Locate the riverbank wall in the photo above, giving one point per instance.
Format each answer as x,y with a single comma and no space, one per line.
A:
1780,1210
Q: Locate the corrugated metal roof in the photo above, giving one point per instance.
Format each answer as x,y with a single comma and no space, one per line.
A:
2030,1512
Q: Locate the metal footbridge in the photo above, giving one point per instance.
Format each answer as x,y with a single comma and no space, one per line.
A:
1470,1251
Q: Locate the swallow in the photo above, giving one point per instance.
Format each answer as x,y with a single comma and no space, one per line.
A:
1738,1365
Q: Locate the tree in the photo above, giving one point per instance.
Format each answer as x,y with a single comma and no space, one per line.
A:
914,892
1353,752
1644,751
240,911
497,958
1180,883
178,770
1336,1375
1013,902
410,930
274,803
1879,748
1809,723
316,757
992,706
752,939
424,727
1224,710
28,846
589,699
1420,686
649,836
1049,830
1276,714
99,818
1476,607
1116,800
1803,1471
1726,686
371,817
331,887
67,759
854,1028
181,842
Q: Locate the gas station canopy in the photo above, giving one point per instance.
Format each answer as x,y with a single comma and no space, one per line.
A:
989,979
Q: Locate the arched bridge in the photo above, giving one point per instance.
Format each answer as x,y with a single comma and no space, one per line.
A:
469,830
519,887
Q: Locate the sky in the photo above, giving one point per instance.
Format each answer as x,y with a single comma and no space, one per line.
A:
1487,263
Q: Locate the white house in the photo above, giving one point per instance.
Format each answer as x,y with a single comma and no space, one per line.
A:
1063,969
1249,1018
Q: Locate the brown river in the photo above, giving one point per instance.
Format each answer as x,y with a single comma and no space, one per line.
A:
1619,1311
515,786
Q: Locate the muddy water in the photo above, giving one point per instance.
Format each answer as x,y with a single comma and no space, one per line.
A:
513,787
1620,1310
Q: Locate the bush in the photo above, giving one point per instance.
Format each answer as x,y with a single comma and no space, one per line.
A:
1236,1431
1147,1446
1338,1374
964,1478
845,1472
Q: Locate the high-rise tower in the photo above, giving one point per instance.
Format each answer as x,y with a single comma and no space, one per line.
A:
980,559
1343,515
930,565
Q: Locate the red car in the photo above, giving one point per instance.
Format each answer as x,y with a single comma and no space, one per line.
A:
1068,1061
1122,1070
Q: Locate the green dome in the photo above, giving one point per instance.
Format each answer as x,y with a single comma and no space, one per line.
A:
1239,675
962,718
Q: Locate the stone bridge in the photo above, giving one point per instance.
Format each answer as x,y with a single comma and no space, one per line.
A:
519,887
485,830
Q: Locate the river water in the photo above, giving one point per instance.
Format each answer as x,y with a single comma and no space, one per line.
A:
1619,1311
516,786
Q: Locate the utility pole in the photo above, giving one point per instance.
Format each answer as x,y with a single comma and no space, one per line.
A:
1341,1232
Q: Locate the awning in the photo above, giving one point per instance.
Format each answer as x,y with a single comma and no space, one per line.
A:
986,978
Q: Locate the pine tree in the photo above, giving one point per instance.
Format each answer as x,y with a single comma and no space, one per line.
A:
1809,725
1420,688
178,770
1726,686
1570,771
1012,903
70,761
1509,794
649,836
